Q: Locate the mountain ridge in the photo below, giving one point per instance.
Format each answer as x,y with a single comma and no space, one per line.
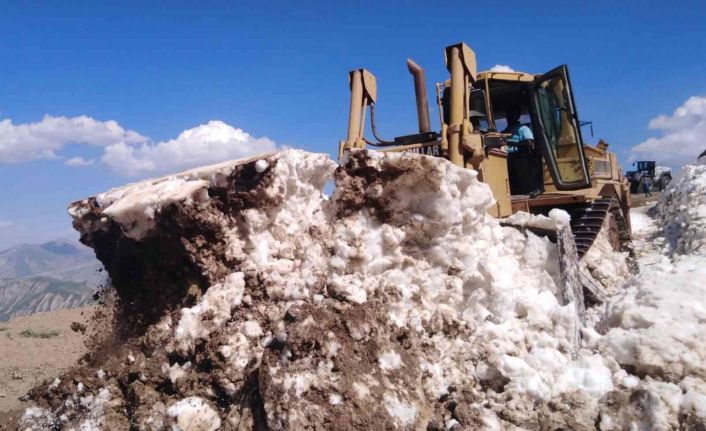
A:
50,276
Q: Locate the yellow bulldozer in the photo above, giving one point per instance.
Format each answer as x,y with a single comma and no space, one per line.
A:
480,114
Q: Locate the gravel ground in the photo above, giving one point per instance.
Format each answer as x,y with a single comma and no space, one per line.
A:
35,348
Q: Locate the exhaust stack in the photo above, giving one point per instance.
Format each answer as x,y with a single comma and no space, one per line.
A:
420,92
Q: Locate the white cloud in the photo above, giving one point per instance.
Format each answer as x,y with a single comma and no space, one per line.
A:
5,223
79,161
125,151
501,68
208,143
41,140
683,135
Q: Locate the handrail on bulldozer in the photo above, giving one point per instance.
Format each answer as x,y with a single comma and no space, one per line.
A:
455,136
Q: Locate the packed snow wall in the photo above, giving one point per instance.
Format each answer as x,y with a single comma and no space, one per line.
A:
683,210
656,324
250,300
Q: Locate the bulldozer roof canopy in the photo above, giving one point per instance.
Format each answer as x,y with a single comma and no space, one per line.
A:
500,76
505,76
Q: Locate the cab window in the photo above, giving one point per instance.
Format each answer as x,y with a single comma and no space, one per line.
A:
560,134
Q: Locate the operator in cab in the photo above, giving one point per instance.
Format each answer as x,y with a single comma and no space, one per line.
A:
524,164
522,139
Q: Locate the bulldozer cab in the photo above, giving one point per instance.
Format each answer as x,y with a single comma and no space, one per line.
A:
548,109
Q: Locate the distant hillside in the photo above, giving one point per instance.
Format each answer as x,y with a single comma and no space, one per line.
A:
25,296
63,260
46,277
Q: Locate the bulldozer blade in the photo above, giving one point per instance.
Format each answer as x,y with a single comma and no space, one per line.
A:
571,289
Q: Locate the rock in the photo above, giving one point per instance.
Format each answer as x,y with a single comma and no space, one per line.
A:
78,327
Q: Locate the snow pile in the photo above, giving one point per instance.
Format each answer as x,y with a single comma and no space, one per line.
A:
605,262
397,303
683,209
658,330
391,303
658,324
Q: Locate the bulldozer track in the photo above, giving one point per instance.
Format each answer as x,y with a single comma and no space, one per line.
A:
587,221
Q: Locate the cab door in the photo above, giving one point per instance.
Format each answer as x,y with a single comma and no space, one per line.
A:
557,131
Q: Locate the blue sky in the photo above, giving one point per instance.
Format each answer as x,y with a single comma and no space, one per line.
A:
280,72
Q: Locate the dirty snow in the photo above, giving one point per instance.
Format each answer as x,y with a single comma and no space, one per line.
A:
401,294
